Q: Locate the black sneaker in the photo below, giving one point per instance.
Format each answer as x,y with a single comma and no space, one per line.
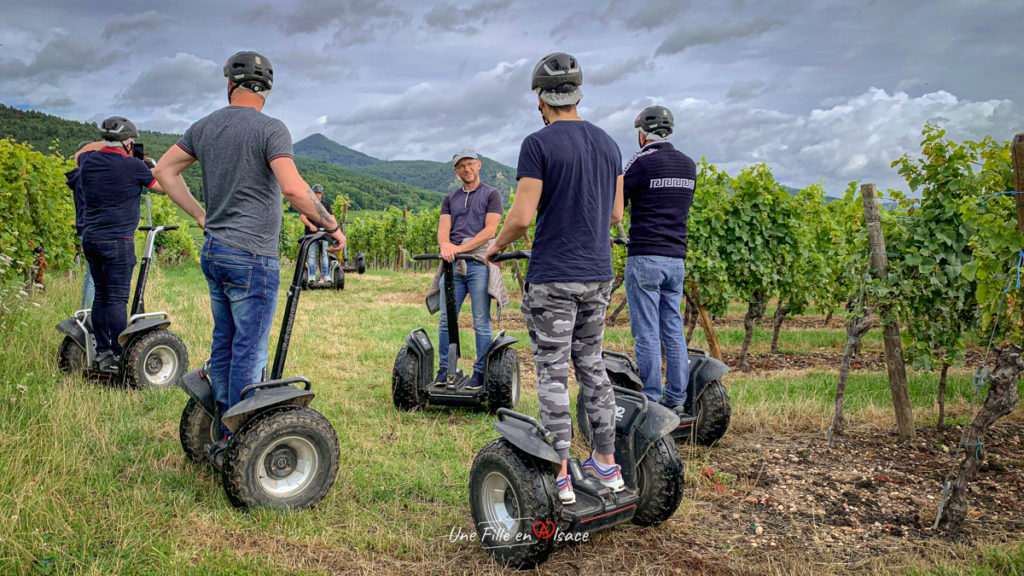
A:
442,376
108,363
215,452
680,410
475,382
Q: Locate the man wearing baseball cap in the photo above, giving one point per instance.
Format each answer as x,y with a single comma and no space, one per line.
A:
469,220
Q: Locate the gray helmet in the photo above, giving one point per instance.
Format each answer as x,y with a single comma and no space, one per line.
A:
250,71
318,189
118,129
655,120
555,70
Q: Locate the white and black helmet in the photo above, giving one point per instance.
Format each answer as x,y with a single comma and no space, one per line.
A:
655,120
557,79
118,129
318,189
251,71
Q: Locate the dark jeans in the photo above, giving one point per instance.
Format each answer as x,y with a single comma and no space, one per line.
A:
243,297
111,263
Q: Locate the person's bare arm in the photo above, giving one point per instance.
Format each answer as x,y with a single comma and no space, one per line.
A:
301,196
168,176
617,207
444,244
491,222
520,215
90,147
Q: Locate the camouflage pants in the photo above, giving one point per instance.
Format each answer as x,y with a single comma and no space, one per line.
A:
566,320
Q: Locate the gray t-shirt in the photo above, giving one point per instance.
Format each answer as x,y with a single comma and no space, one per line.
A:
235,146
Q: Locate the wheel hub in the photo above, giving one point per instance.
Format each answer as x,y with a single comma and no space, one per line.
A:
153,364
281,462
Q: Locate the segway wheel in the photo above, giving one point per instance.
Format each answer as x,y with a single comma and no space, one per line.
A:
503,381
659,483
509,494
713,414
156,360
338,278
360,263
195,431
285,458
70,357
404,391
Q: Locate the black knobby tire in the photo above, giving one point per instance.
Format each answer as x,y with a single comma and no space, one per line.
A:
503,381
158,359
506,484
360,263
404,392
713,413
338,278
284,458
70,357
659,483
196,431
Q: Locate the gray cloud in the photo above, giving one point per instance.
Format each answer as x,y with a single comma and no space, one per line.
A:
706,35
143,22
183,80
469,20
617,71
354,16
746,89
651,16
65,54
58,102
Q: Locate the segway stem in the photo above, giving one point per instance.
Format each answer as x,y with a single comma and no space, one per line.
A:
138,299
292,306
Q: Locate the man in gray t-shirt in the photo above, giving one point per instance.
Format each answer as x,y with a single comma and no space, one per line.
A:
247,164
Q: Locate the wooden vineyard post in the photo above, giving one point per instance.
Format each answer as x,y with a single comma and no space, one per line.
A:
890,323
706,325
1017,151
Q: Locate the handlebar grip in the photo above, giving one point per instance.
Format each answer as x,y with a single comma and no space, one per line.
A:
148,228
517,255
169,228
622,241
426,256
145,228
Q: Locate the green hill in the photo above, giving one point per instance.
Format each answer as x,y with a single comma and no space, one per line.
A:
320,147
45,132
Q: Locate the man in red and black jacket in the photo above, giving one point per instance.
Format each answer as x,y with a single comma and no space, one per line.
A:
111,182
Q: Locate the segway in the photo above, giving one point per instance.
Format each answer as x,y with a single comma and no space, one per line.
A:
706,397
281,453
412,380
152,357
514,498
336,271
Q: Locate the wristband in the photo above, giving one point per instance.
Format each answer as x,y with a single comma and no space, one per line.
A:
333,230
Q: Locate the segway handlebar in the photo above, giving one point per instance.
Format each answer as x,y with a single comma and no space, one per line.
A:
517,255
275,384
546,434
164,228
622,241
468,257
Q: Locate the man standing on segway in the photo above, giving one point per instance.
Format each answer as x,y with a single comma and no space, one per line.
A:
111,182
469,219
247,163
570,174
318,251
658,185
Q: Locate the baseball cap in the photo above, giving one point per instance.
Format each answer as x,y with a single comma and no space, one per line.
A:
464,154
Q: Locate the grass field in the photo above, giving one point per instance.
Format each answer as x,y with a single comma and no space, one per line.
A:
93,480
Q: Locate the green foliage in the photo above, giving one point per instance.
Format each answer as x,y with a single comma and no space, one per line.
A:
174,246
379,238
292,229
364,192
37,209
320,147
705,268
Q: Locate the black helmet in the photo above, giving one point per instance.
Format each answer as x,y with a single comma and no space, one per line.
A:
655,120
318,189
250,71
554,70
118,129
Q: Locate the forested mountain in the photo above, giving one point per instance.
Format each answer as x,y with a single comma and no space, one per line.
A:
365,192
419,173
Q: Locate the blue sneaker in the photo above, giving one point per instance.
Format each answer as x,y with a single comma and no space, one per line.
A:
609,476
442,376
475,382
565,493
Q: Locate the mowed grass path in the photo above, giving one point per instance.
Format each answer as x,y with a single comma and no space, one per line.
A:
93,479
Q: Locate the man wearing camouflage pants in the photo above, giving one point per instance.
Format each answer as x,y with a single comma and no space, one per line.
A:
570,174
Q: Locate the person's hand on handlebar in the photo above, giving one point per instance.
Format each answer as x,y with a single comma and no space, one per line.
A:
491,251
339,237
448,251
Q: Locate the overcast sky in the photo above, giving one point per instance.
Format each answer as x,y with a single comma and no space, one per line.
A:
815,89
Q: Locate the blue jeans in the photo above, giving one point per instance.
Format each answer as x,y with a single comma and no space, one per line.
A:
317,249
88,288
112,262
654,290
473,283
243,297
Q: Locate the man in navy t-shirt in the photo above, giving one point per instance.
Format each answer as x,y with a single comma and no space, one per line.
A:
658,187
570,174
111,183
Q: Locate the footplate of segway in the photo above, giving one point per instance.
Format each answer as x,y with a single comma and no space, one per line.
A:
596,506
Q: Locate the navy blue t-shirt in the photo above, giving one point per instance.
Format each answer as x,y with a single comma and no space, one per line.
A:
579,164
75,183
111,184
658,187
469,211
